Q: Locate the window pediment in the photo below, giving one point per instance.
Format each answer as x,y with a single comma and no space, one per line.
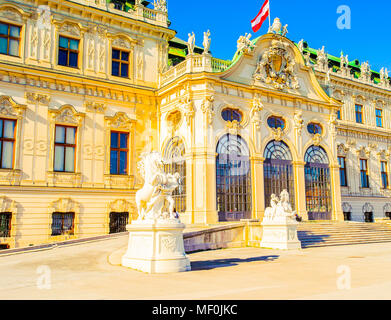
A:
9,108
69,29
67,114
120,121
123,42
11,14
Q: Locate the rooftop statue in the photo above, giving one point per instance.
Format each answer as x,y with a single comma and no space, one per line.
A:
301,45
160,5
245,44
191,43
156,193
277,28
206,42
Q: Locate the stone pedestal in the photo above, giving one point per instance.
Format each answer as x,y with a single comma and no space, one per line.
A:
156,246
280,234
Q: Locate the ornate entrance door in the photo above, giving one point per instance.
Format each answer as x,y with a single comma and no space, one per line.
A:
233,179
317,184
278,171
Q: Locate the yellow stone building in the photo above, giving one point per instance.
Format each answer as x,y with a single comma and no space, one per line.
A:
87,86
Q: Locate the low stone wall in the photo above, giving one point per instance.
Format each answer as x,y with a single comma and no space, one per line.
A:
234,235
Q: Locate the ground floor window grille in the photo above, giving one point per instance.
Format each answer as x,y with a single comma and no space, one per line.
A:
388,215
347,216
118,222
5,225
368,217
63,223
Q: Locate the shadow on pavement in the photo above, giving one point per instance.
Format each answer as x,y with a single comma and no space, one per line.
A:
223,263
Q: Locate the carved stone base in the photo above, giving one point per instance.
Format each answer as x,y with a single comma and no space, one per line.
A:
281,234
156,247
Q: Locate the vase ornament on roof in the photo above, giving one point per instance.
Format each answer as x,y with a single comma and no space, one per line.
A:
277,28
276,67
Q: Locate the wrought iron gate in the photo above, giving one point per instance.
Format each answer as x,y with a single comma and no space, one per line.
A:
233,179
278,171
317,184
174,157
118,221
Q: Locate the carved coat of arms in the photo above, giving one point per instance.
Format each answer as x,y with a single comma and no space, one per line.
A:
276,67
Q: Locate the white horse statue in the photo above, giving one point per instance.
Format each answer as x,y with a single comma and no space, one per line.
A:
157,190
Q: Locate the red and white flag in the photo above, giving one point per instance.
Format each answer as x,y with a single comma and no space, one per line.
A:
256,24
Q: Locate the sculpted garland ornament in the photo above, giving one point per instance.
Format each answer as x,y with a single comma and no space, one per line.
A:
276,67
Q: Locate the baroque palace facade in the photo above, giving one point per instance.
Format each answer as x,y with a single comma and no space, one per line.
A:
86,87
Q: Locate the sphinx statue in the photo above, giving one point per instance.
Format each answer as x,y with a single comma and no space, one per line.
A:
280,208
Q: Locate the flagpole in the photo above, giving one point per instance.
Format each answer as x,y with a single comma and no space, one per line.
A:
269,16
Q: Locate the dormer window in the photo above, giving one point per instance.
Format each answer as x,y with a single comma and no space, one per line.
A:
314,128
276,123
231,115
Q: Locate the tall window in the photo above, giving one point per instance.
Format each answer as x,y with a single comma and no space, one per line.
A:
119,153
120,63
342,171
339,115
379,118
359,113
384,174
9,39
63,223
65,149
364,173
7,143
68,52
5,225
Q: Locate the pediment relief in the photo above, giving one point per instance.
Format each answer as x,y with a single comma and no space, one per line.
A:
364,152
342,150
11,13
121,205
64,205
67,114
9,108
120,121
71,29
7,205
121,41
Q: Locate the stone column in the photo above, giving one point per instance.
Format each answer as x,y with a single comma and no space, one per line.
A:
337,213
299,173
258,192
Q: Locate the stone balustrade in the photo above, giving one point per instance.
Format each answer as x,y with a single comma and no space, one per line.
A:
194,63
137,12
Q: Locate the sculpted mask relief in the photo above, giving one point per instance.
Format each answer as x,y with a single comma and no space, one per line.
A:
276,67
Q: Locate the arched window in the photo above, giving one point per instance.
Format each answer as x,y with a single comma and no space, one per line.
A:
233,179
317,184
278,171
175,161
276,122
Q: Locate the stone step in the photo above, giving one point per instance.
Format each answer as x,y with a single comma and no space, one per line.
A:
338,234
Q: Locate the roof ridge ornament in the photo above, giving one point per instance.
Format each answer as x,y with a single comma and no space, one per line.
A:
277,28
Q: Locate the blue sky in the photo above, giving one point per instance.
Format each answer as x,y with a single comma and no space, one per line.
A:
316,22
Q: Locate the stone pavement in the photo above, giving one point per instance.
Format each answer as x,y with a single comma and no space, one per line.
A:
91,271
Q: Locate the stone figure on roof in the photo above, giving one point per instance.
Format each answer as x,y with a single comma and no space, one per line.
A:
206,42
191,43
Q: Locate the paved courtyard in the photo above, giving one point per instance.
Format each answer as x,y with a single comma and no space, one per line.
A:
89,271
